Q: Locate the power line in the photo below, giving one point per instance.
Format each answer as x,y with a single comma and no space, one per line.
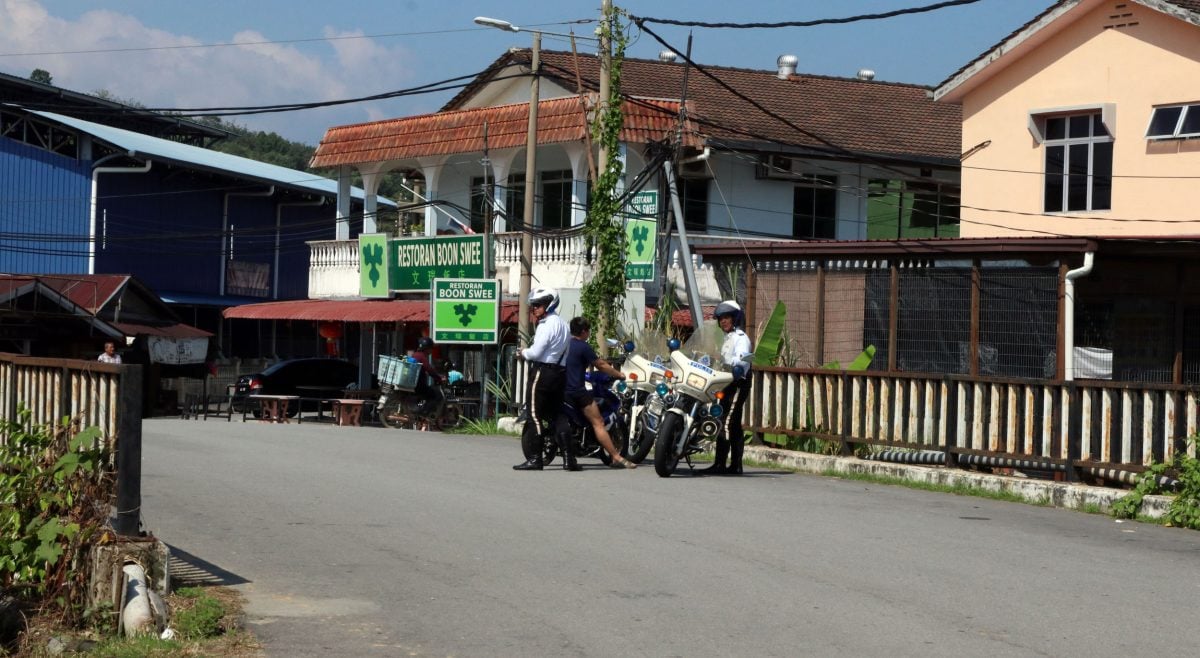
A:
821,21
198,46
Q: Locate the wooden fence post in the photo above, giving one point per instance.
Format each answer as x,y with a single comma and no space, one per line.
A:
129,453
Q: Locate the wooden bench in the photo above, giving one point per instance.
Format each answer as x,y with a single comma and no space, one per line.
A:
275,407
348,412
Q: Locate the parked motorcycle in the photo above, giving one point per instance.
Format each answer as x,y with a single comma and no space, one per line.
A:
577,429
685,409
642,376
399,407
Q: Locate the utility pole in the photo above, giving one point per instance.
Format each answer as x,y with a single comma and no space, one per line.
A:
603,155
530,185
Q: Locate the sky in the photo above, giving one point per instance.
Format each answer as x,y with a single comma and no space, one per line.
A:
183,53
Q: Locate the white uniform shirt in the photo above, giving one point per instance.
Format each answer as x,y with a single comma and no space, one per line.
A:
735,351
550,341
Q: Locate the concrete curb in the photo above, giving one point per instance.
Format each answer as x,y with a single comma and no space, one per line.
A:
1059,494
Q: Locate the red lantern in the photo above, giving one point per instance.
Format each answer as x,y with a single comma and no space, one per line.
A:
330,330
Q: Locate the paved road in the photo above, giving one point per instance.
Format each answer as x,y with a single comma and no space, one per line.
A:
375,542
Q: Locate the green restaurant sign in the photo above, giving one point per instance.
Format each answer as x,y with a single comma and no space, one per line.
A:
388,265
465,311
641,235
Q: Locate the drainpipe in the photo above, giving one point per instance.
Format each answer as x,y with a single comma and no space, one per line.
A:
278,225
1069,312
225,227
704,155
96,171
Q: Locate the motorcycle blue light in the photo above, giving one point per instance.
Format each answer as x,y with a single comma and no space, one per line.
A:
673,344
629,346
621,386
661,389
715,411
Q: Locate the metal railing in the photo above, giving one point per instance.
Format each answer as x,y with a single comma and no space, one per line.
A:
1069,426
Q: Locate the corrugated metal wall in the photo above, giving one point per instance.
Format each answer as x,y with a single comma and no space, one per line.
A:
43,211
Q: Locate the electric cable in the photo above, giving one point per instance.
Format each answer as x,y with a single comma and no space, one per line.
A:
811,23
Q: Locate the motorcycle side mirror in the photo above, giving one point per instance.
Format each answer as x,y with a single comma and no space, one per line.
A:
612,342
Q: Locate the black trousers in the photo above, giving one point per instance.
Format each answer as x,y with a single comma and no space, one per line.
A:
545,399
732,439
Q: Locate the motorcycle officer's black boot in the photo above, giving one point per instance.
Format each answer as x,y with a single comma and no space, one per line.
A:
531,464
735,457
718,465
570,462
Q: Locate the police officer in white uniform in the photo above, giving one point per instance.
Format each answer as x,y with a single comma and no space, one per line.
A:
547,375
736,354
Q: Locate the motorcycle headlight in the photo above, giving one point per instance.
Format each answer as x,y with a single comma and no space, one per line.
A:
715,410
696,381
661,389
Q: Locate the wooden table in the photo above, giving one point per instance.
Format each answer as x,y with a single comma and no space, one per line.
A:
275,407
348,412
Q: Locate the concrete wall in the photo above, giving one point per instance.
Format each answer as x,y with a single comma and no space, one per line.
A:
1153,60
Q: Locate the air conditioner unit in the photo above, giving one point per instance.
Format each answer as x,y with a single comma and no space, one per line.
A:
775,167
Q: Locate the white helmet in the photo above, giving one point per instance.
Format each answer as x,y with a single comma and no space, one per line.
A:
547,297
731,308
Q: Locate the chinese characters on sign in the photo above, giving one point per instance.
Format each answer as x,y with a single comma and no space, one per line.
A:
641,236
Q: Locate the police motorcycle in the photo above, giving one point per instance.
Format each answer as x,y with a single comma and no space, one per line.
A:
685,408
642,376
576,429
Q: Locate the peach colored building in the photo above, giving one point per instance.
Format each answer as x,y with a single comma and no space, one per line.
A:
1085,121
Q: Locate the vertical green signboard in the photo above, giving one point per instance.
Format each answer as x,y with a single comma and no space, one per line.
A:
411,264
641,236
373,265
465,311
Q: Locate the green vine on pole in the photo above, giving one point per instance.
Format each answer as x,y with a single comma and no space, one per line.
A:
603,297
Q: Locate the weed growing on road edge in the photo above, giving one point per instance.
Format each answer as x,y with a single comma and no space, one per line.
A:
55,490
1184,510
956,489
481,426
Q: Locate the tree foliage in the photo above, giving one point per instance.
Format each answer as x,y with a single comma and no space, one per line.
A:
41,76
603,297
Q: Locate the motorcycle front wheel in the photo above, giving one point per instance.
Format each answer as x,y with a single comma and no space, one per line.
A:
665,459
640,442
617,435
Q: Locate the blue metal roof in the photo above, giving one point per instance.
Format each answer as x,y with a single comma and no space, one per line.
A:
194,156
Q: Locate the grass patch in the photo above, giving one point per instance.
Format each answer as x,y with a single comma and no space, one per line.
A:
482,426
206,620
956,489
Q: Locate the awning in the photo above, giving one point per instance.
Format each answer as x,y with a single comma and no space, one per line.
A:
332,310
178,330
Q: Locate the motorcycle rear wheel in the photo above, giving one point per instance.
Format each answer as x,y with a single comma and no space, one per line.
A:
665,459
451,418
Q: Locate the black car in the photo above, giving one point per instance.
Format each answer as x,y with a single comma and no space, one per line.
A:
307,378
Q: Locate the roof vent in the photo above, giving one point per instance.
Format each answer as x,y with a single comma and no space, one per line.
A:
787,66
667,56
866,74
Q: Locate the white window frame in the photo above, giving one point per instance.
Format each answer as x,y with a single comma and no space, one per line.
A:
1175,134
1066,143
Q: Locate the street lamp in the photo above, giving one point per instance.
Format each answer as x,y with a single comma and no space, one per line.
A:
530,159
530,170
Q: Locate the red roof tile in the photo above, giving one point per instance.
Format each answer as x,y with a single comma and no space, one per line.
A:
864,117
461,131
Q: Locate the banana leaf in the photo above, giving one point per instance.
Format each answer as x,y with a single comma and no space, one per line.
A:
860,362
766,351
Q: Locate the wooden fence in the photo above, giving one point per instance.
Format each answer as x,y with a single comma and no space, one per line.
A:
1076,427
88,393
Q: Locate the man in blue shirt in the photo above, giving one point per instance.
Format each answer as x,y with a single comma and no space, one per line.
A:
580,357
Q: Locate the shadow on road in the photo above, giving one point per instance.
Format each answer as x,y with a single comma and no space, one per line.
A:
187,569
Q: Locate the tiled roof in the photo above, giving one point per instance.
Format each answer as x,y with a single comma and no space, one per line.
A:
1192,6
461,131
865,117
